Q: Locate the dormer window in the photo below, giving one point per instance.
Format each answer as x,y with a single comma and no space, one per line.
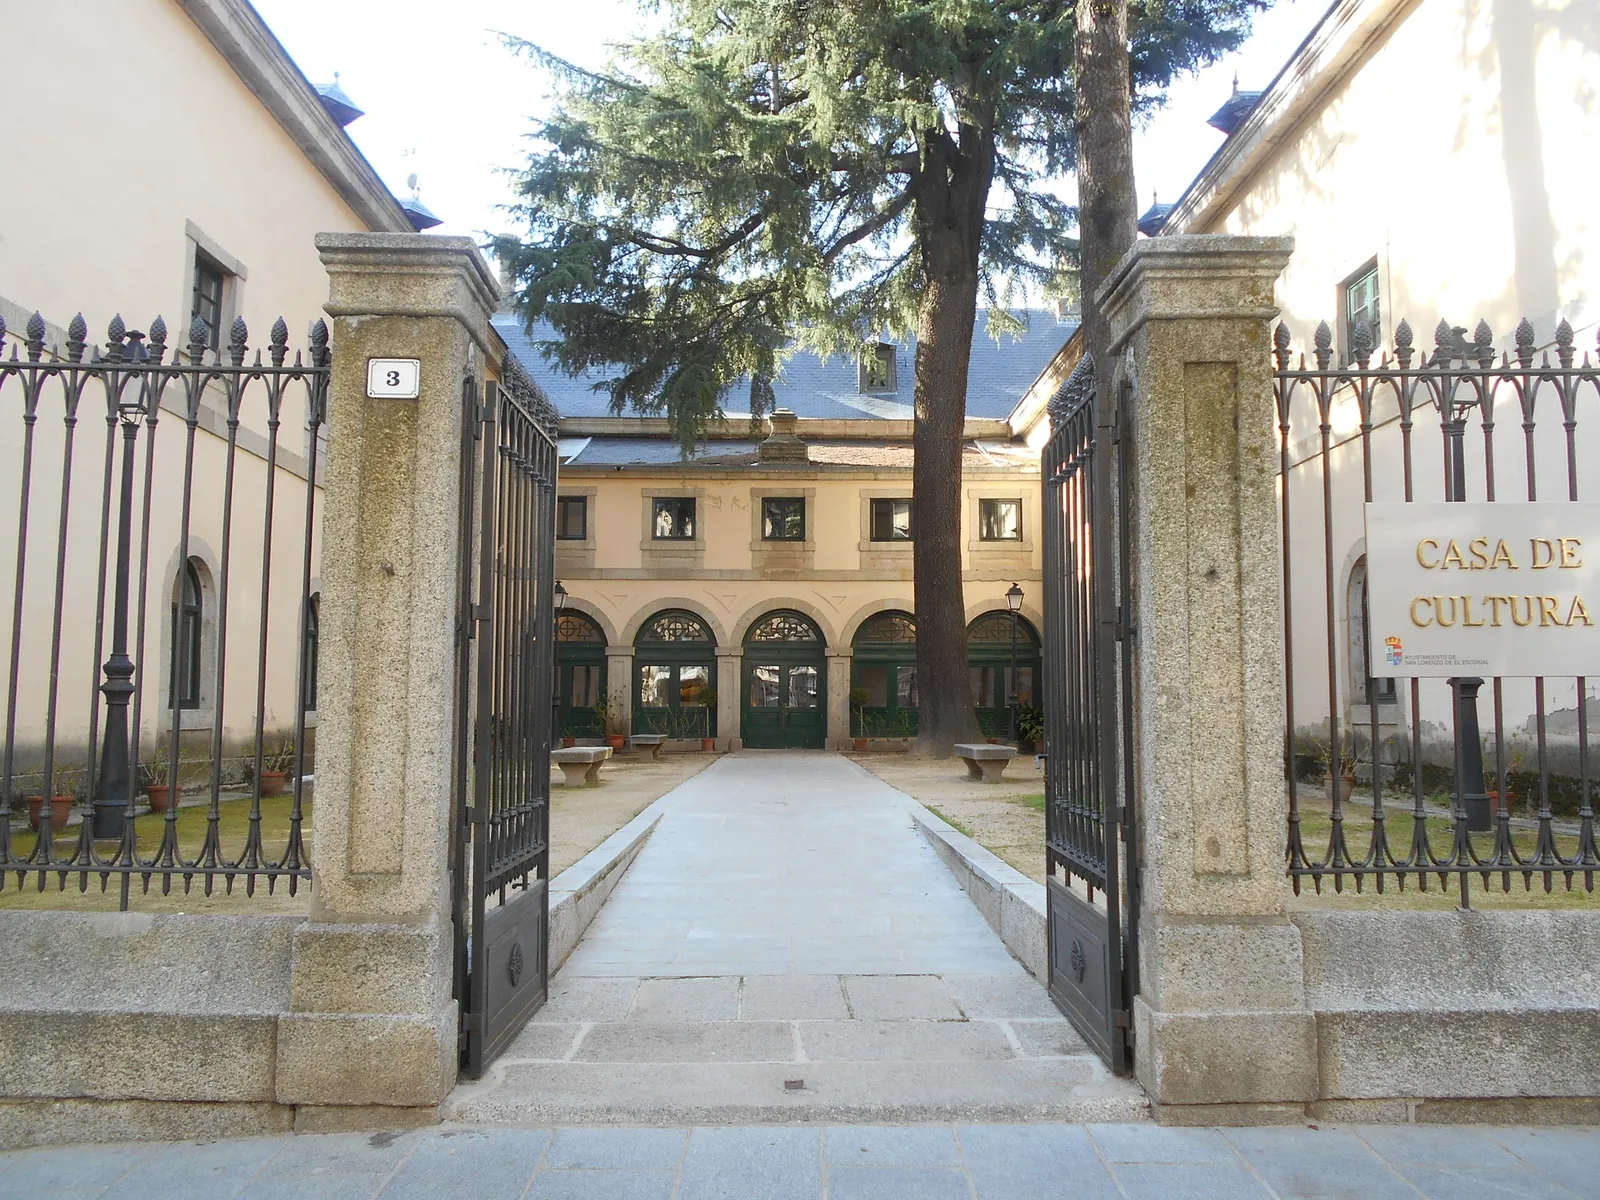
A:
877,368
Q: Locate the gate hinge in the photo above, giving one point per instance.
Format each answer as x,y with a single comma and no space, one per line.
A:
471,1022
1122,1019
471,814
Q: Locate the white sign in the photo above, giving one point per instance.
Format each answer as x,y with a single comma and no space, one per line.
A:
1483,589
394,378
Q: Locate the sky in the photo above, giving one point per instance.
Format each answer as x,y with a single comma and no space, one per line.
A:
446,101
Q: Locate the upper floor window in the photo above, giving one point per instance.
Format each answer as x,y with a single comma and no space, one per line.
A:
1360,308
891,521
878,368
673,518
209,281
783,519
1000,520
572,518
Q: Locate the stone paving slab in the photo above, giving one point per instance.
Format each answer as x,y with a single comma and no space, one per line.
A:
1041,1161
786,911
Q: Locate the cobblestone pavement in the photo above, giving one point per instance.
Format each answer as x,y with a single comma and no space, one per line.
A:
788,947
861,1162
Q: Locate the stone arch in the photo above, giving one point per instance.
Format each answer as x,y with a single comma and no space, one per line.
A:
1031,613
761,608
656,604
866,612
597,614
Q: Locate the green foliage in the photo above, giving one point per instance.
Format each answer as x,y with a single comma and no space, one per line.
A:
766,170
1030,724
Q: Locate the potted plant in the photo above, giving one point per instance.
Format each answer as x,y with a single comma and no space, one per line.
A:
1347,777
708,698
611,724
157,788
61,800
1030,728
276,763
858,701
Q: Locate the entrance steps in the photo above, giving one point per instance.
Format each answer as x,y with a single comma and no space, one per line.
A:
797,1048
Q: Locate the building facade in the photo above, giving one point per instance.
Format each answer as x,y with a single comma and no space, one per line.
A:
201,206
1437,196
759,590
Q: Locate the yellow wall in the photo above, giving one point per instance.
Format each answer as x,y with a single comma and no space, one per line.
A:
622,580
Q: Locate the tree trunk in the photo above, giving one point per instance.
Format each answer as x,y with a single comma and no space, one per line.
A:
1107,217
949,222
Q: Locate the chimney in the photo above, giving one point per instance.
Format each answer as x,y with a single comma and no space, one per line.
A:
782,445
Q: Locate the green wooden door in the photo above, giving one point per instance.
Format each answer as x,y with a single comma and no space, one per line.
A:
989,660
580,674
883,677
785,685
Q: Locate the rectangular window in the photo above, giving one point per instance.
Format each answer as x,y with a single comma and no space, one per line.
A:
1360,307
783,519
983,686
891,521
877,373
906,687
875,682
209,279
674,518
585,685
692,685
655,686
572,518
764,687
1000,520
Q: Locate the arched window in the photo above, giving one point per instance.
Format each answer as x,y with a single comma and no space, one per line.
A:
675,663
1364,688
308,697
188,613
883,686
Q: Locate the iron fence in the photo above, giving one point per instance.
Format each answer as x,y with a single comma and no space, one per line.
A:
155,581
1385,775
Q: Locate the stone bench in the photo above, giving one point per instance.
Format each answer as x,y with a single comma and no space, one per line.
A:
987,761
580,765
655,741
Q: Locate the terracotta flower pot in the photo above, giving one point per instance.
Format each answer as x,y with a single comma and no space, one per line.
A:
160,796
272,782
567,743
60,810
708,743
1346,785
616,741
861,745
1494,802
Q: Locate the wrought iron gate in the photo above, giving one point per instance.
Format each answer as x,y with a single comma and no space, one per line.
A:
505,668
1090,814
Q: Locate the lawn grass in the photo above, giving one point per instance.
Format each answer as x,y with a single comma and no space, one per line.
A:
233,826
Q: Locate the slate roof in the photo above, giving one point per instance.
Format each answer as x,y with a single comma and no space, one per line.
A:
729,453
999,375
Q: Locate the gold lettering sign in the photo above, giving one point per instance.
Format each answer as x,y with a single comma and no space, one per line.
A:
1482,588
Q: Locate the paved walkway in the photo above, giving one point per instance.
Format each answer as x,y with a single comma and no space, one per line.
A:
787,946
908,1162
